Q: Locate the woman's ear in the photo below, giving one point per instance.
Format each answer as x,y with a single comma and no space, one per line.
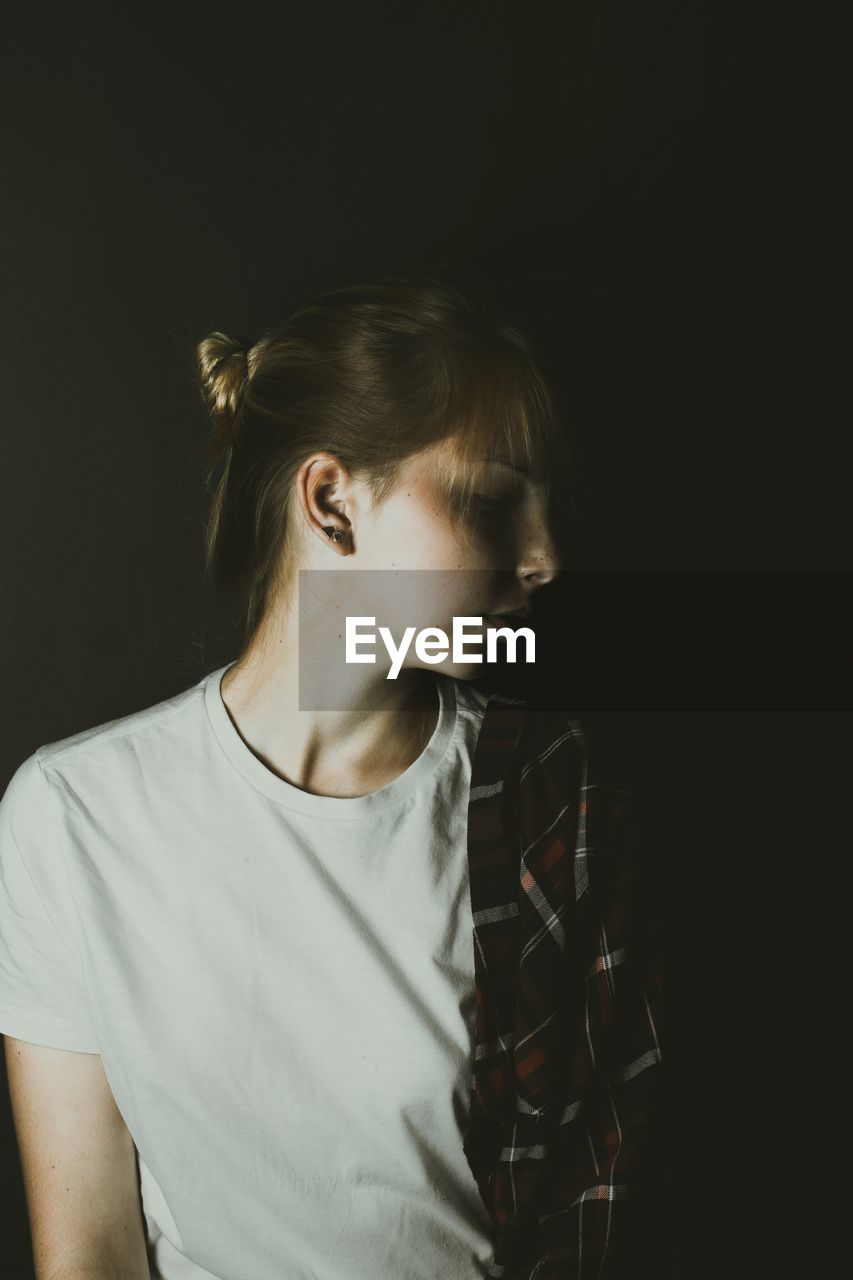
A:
321,484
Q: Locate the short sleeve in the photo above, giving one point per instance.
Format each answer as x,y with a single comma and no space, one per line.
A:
42,996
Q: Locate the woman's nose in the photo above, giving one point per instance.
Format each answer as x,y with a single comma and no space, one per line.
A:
538,577
540,560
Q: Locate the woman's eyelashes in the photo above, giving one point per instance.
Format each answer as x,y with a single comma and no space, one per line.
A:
491,502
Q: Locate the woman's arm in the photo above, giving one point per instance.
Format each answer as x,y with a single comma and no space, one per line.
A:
79,1166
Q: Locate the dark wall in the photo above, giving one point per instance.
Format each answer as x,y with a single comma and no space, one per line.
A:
600,168
170,172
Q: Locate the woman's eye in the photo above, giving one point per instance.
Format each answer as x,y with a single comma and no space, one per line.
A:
492,504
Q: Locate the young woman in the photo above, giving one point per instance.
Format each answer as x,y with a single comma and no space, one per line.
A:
310,972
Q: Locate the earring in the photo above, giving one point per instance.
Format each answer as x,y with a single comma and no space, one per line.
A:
335,534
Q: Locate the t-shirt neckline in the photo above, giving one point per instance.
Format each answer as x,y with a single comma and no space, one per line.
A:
293,797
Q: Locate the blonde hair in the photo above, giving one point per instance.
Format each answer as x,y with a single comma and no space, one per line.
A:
372,373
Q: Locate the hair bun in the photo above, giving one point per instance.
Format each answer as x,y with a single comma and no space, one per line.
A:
223,367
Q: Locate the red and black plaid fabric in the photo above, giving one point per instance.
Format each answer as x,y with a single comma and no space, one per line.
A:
566,1067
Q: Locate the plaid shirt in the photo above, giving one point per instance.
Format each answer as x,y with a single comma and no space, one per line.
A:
567,1055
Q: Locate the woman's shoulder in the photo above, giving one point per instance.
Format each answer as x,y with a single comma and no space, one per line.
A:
130,739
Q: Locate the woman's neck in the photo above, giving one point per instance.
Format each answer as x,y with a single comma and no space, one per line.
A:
367,732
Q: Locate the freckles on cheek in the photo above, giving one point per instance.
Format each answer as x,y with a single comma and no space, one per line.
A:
425,520
409,533
422,511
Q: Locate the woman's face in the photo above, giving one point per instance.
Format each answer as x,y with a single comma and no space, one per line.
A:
422,569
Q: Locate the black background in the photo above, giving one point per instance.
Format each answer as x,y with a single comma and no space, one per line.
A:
631,181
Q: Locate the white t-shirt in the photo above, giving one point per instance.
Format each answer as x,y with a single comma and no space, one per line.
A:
280,986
